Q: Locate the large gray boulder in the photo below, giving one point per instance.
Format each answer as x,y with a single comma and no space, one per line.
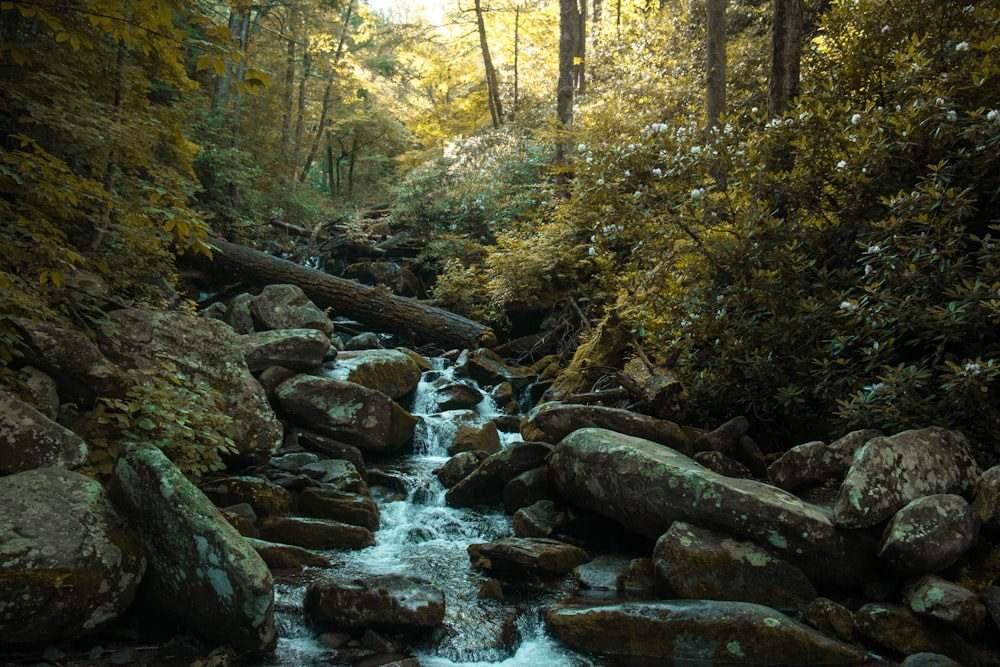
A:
392,372
283,306
986,501
816,462
697,632
29,439
929,534
888,472
82,373
202,573
195,350
551,422
527,555
647,487
294,349
359,416
68,563
383,602
936,598
698,564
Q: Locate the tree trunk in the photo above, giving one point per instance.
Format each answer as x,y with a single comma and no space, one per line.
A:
569,20
374,306
517,54
786,47
715,66
288,95
492,85
300,116
580,51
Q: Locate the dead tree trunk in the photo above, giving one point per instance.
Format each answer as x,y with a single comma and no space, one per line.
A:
374,306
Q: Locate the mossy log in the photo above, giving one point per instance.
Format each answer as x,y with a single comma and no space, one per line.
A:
376,306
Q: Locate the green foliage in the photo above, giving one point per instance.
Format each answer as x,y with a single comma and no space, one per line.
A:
846,273
178,414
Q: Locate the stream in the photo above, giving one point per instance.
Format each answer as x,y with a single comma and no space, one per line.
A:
421,536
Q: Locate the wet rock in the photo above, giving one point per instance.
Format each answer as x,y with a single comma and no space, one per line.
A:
265,498
199,350
695,563
489,369
272,377
383,602
346,411
29,439
551,422
202,573
293,462
454,395
816,462
527,489
888,472
459,466
468,438
832,619
323,503
986,502
315,533
722,464
709,631
244,525
638,579
294,349
485,484
929,534
69,566
527,555
365,340
646,487
536,520
82,371
898,628
724,438
287,307
947,602
286,556
391,372
337,474
601,574
333,448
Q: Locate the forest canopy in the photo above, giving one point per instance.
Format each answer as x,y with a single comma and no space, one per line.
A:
820,263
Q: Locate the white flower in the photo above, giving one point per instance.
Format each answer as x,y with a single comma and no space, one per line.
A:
600,181
874,249
885,29
875,387
952,114
636,194
581,147
657,172
992,115
847,305
855,119
962,46
592,251
696,193
973,368
841,165
939,101
696,149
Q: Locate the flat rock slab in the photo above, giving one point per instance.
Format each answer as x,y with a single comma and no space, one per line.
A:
553,421
535,555
315,533
701,631
647,487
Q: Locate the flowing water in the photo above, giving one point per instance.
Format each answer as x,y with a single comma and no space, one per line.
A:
421,536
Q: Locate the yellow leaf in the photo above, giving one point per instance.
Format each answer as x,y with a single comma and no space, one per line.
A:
203,62
220,67
56,278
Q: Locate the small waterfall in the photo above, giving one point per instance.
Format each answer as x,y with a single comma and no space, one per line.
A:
421,536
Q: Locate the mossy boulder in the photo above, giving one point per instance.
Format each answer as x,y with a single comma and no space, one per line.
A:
356,415
392,372
527,555
387,602
69,565
697,632
294,349
29,439
202,572
552,421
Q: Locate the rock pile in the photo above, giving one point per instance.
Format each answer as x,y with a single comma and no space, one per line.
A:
683,545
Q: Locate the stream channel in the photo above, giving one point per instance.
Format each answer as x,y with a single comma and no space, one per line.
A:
421,536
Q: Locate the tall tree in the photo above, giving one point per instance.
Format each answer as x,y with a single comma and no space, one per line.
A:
569,26
492,84
786,48
715,65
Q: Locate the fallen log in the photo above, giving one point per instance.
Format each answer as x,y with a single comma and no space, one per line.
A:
376,306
